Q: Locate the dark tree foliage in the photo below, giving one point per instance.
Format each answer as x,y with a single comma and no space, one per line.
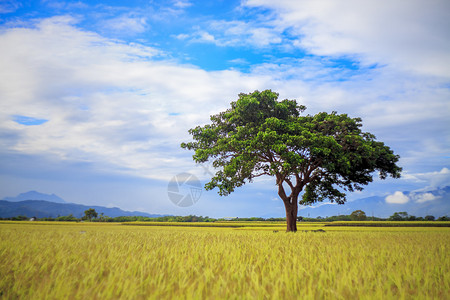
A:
358,215
67,218
90,213
399,216
323,155
429,218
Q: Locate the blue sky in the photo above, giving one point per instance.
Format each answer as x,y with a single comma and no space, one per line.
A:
96,96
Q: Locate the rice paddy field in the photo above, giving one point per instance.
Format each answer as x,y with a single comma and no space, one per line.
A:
57,260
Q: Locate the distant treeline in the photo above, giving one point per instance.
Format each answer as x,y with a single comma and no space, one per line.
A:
355,216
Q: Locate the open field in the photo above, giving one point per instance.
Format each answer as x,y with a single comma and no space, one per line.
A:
110,261
300,225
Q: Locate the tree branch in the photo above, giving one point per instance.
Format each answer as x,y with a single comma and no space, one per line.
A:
288,181
261,174
281,191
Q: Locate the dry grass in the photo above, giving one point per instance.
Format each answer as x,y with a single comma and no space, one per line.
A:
111,261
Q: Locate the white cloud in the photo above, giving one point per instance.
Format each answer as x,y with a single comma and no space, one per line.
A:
182,36
106,101
9,6
432,179
120,105
397,198
425,197
411,35
239,61
205,37
236,34
182,4
65,5
125,24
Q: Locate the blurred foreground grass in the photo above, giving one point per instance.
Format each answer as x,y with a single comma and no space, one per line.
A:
112,261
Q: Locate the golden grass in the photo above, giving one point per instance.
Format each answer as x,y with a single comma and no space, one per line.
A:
112,261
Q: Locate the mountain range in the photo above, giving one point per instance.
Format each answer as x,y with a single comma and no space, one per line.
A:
420,204
434,202
33,195
35,204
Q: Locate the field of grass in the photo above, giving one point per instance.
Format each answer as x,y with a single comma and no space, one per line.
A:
301,225
111,261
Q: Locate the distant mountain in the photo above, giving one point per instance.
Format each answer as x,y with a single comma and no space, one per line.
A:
419,204
44,209
33,195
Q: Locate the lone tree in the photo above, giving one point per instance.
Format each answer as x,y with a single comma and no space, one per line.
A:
323,155
90,213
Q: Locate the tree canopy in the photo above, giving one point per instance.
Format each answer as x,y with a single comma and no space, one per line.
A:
90,213
358,215
323,155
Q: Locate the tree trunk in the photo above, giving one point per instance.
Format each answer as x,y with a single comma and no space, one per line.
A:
290,202
291,214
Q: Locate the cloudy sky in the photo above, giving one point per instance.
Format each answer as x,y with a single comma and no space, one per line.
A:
96,96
